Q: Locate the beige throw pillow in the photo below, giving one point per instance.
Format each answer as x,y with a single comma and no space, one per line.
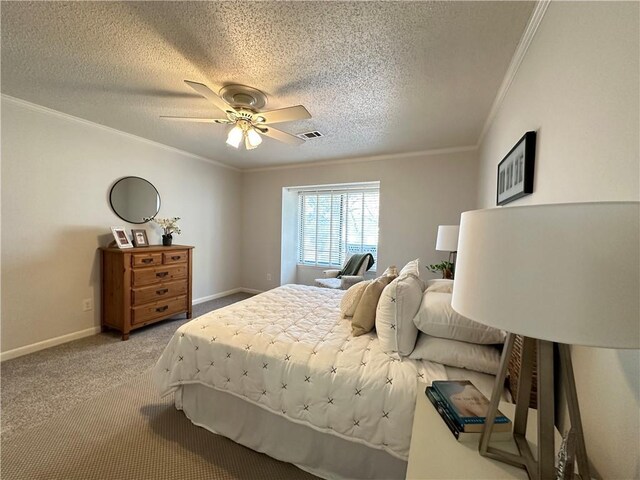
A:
411,268
391,270
352,297
364,318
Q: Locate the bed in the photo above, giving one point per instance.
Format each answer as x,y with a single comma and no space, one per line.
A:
280,373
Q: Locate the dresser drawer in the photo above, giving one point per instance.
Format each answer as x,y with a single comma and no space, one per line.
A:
146,259
155,310
178,256
157,293
166,273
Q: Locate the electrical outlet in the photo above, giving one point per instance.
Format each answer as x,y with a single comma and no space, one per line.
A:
268,277
87,304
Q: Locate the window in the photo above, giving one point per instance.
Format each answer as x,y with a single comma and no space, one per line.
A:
336,221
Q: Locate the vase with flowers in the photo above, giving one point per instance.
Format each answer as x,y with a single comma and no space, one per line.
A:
169,227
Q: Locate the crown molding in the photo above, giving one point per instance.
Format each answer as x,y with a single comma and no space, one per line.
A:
521,50
373,158
66,116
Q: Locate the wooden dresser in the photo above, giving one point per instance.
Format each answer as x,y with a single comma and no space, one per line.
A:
144,285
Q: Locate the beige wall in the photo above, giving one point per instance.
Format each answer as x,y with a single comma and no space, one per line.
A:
417,193
578,87
56,176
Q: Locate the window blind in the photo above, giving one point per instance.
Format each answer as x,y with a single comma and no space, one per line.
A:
335,223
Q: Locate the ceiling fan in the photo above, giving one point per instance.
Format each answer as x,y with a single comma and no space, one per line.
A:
242,105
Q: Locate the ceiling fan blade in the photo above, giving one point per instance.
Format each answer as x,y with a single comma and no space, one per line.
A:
196,119
279,135
288,114
207,93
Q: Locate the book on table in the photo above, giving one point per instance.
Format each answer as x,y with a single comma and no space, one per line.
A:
455,428
463,407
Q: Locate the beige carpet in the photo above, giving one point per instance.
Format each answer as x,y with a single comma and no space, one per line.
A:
44,384
129,432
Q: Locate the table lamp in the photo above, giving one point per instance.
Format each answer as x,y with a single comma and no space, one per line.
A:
447,241
563,274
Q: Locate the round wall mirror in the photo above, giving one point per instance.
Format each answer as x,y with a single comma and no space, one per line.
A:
133,199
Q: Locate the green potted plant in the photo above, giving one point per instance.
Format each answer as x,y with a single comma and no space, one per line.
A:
445,268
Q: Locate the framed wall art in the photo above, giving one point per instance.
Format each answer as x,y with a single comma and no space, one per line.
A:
515,171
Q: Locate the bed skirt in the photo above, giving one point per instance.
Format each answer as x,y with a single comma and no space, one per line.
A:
319,453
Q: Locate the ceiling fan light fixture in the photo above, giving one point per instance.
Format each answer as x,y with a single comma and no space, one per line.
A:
235,136
253,139
243,108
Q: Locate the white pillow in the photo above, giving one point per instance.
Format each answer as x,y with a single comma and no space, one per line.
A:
411,268
436,317
481,358
397,306
352,297
440,285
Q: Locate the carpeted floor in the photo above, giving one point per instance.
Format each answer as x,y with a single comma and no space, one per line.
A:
131,433
38,386
87,410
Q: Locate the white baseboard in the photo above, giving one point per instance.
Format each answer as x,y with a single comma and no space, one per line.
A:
251,290
198,301
208,298
52,342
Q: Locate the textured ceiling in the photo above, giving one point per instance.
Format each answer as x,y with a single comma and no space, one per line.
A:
378,77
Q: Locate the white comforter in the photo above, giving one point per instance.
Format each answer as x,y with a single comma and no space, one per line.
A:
288,351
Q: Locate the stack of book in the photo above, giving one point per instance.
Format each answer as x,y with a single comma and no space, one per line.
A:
463,409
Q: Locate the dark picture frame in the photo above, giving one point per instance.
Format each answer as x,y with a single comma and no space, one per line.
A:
516,170
139,237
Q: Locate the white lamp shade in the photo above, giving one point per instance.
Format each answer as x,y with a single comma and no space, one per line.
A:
235,136
568,273
447,240
253,138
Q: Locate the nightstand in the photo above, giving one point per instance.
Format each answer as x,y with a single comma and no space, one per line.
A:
436,454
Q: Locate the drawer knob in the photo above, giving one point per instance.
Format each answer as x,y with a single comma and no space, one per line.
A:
162,291
162,309
162,274
147,260
176,257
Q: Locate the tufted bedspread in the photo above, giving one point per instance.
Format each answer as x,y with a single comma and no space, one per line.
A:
288,351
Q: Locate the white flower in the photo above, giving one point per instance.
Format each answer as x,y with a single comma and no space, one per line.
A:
169,225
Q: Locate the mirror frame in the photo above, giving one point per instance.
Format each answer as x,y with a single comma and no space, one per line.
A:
140,178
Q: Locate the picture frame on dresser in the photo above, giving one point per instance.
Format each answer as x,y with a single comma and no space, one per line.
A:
121,238
516,170
139,237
